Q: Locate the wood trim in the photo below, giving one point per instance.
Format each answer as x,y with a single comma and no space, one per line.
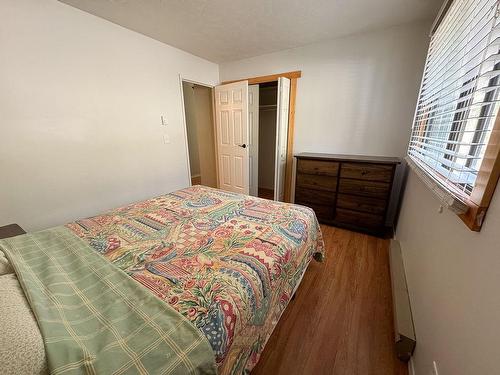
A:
442,13
269,78
489,171
486,182
474,217
216,149
291,131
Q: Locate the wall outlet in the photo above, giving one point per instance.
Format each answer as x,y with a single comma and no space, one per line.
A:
166,139
435,368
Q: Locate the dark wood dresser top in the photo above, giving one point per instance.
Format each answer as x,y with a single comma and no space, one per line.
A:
347,158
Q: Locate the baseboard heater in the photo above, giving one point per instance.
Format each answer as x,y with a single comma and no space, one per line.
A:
404,330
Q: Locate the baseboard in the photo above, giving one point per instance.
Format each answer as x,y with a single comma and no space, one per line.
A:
196,179
403,319
411,367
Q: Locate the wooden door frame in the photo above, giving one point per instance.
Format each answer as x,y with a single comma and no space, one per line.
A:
292,76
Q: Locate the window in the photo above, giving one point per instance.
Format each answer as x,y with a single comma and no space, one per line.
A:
455,136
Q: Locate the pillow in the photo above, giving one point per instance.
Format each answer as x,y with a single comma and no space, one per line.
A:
5,266
21,343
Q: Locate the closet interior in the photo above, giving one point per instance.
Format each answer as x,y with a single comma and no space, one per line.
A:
268,96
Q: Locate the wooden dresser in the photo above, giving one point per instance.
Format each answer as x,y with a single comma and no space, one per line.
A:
349,191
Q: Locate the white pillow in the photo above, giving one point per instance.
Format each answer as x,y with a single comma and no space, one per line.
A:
5,266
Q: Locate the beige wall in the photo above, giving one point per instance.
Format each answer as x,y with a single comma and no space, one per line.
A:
191,128
453,278
80,106
357,94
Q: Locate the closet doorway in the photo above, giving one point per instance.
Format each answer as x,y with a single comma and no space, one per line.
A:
239,135
264,145
252,137
241,109
200,133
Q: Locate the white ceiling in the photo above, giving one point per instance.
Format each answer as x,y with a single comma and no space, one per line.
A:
226,30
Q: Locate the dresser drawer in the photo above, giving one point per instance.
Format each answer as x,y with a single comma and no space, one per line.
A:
322,212
314,196
360,219
366,188
310,181
364,204
364,171
319,167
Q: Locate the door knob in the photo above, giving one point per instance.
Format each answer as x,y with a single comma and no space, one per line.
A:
243,145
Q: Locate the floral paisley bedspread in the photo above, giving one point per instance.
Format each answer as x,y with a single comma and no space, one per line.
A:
228,262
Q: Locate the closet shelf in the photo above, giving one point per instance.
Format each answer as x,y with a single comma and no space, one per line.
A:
268,106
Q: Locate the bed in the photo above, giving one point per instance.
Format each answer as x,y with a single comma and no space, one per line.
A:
225,264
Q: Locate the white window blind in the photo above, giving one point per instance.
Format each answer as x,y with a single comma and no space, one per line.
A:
459,97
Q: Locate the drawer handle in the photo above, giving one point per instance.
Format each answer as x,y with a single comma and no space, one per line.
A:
364,173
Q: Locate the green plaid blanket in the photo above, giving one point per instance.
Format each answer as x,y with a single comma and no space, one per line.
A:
94,318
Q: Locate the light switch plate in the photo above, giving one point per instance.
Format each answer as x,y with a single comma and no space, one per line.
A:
166,139
164,120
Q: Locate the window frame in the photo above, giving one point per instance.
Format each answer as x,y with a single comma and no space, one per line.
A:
486,182
489,172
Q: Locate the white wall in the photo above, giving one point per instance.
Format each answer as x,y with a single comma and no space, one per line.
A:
357,94
80,106
453,278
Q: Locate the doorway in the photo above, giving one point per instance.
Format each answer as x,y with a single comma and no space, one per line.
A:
287,93
268,96
223,151
252,137
200,133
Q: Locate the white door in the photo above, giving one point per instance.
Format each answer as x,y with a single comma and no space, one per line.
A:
231,120
253,138
281,138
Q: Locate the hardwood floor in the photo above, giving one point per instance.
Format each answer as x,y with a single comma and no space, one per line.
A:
340,321
196,180
266,193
